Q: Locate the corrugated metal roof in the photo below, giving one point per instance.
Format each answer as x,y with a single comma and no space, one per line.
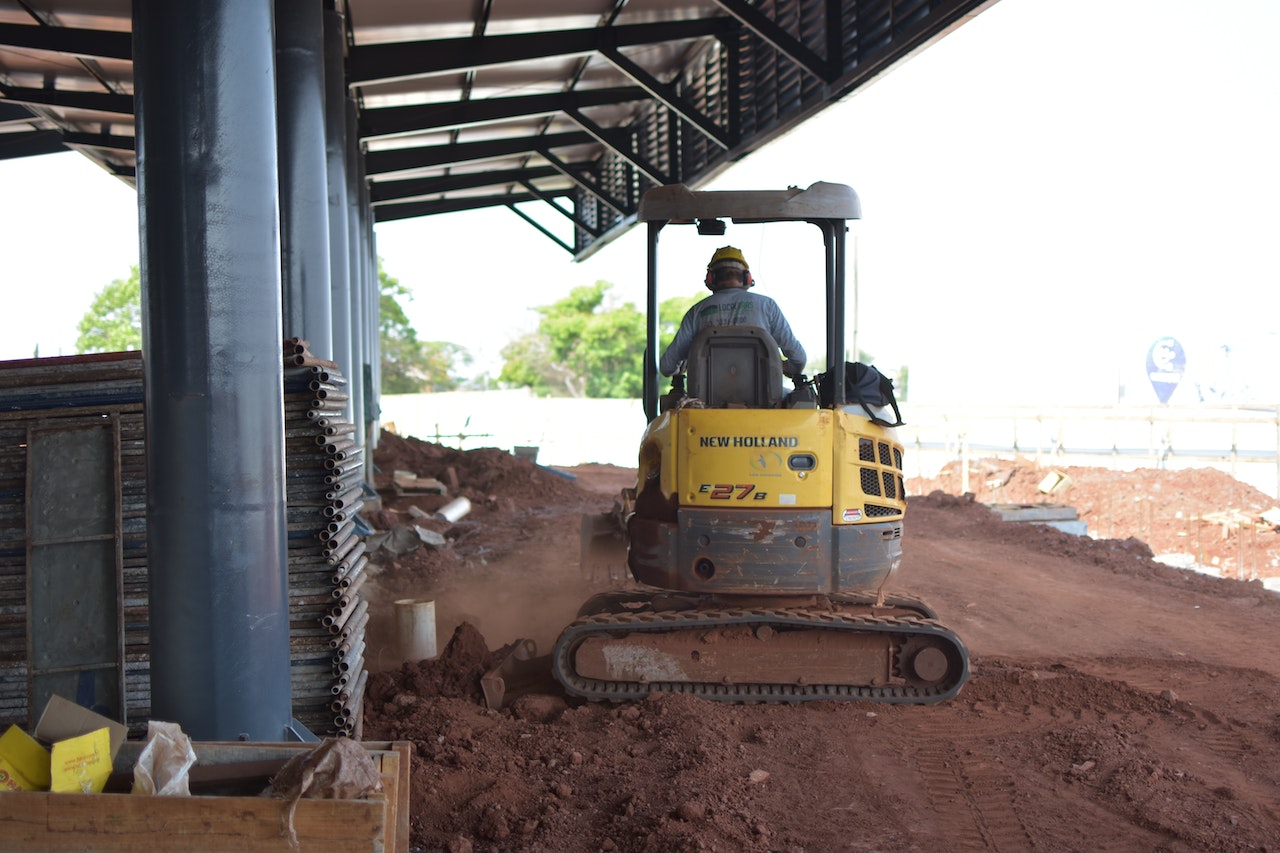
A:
577,104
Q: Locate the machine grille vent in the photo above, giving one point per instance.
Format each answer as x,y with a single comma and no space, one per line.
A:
870,481
885,458
876,511
866,450
897,458
890,485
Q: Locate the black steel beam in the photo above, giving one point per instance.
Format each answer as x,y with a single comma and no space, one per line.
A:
33,144
101,140
399,160
378,62
669,96
618,141
411,209
392,120
107,102
546,232
385,191
775,35
14,112
101,43
550,199
577,176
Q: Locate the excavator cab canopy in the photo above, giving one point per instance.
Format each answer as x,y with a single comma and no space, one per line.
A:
828,206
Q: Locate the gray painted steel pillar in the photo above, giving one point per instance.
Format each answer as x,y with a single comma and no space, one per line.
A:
304,198
358,248
207,179
373,322
335,152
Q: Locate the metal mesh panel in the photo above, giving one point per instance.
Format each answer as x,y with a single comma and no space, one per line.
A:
877,511
890,485
870,481
866,450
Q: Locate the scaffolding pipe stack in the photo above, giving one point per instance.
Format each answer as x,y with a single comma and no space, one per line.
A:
66,395
324,491
326,555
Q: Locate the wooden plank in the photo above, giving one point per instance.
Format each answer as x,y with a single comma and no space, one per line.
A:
121,823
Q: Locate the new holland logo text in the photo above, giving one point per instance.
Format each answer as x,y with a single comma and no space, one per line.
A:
748,441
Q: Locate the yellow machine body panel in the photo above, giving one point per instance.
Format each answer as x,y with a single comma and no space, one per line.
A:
753,458
777,458
867,484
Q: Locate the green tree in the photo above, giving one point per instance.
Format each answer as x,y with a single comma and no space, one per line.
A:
411,366
113,322
583,349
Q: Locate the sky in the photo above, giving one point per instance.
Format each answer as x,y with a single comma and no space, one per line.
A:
1047,191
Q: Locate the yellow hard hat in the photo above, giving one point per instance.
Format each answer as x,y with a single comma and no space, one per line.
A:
728,253
728,256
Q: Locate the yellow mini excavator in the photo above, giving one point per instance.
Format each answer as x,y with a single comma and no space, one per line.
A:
764,525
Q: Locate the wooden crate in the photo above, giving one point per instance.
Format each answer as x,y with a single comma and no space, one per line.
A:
124,823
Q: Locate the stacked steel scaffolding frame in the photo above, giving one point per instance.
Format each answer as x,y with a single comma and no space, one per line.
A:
326,559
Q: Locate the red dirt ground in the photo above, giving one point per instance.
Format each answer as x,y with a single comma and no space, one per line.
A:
1116,704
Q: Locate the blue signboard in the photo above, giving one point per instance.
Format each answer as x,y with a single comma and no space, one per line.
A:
1166,363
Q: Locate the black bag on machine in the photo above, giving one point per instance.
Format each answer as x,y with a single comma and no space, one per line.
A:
867,387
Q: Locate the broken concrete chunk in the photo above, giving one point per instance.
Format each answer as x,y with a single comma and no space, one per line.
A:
408,482
430,538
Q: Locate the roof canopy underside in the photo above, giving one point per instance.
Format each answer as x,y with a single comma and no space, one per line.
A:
573,107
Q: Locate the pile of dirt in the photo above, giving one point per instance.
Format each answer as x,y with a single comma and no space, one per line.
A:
1115,703
508,567
1201,516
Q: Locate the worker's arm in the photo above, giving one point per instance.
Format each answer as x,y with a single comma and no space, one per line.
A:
675,353
785,339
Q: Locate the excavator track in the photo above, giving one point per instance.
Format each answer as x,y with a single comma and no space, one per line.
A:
761,655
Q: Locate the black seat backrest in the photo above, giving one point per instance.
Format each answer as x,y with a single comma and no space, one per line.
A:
735,366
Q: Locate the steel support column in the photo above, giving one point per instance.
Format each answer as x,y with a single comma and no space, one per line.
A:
357,247
335,152
304,213
373,323
207,182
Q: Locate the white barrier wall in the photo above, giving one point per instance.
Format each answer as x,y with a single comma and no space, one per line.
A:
567,431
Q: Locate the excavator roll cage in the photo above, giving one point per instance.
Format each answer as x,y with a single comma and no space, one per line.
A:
825,205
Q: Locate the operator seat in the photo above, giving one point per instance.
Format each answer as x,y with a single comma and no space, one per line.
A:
735,367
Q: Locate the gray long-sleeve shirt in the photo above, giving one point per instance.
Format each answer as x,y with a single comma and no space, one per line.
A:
733,306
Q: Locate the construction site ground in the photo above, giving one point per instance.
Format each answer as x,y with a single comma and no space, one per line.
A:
1115,704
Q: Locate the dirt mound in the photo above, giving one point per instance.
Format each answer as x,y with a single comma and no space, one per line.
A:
1201,514
1115,703
509,567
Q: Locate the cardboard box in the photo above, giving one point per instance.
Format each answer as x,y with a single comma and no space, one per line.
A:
84,745
63,719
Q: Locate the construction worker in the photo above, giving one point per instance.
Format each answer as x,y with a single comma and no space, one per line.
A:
732,304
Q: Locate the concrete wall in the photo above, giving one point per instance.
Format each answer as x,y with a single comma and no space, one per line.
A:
566,431
1241,442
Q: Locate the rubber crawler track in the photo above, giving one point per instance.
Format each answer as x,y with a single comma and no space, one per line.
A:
625,623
